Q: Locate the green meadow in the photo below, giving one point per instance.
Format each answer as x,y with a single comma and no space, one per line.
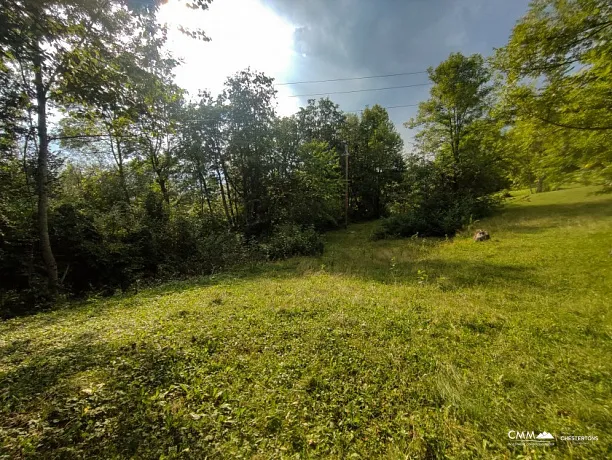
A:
411,348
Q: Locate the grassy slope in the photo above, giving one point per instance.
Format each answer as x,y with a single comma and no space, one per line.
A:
393,349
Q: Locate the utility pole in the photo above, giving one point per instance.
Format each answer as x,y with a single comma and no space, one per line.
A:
346,185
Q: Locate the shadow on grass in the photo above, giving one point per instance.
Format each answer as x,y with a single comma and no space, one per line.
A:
453,275
94,307
112,411
366,261
598,209
447,275
536,218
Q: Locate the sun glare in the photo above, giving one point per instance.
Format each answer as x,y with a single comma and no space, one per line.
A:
243,32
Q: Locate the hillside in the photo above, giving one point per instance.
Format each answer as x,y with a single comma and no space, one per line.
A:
412,348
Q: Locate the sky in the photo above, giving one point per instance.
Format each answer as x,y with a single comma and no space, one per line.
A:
297,40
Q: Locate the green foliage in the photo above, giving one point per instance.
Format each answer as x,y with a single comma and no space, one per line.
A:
458,99
459,163
12,105
308,189
556,77
430,204
141,184
22,285
146,186
250,132
158,187
376,162
322,120
291,240
435,220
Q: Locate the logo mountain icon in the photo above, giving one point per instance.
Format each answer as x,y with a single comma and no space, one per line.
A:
545,435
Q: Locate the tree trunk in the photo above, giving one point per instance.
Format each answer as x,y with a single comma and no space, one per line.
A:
455,141
41,177
164,188
205,190
227,214
540,186
234,209
126,193
228,182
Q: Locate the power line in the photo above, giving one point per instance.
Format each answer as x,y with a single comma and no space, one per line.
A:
212,118
345,111
349,78
392,107
359,90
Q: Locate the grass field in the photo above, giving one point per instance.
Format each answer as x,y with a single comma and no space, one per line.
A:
414,348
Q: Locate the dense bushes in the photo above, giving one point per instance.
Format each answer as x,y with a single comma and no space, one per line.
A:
459,162
291,240
183,189
94,260
433,202
433,218
170,248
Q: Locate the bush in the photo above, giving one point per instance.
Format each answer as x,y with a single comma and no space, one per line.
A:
291,240
193,248
433,203
442,219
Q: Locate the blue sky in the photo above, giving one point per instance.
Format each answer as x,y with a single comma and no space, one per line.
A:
294,40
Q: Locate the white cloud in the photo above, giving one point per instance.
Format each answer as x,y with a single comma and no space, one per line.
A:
244,33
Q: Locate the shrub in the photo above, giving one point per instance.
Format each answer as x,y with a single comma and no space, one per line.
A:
291,240
440,219
434,203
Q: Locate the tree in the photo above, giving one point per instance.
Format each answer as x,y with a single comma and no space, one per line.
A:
42,40
459,98
376,162
306,186
54,46
160,134
202,154
322,120
250,118
556,72
564,48
460,163
50,42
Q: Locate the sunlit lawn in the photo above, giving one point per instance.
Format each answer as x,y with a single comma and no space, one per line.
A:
395,349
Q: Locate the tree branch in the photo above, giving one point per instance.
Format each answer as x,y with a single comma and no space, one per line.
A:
582,128
84,136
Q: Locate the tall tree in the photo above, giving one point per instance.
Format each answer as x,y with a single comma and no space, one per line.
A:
305,183
45,40
54,45
558,63
202,152
458,99
250,119
322,120
376,162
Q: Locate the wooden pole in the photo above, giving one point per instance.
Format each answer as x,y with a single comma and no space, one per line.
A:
346,185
